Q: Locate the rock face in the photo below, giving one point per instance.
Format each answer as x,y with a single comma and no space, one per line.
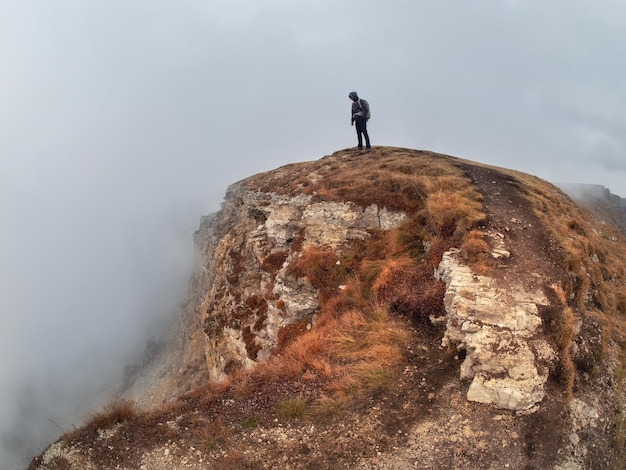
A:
242,294
250,293
505,359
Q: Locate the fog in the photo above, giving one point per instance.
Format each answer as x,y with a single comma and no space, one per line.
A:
124,121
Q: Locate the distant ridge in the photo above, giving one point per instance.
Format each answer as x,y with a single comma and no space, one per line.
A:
600,201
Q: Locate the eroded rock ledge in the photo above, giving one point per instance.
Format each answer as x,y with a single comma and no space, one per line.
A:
506,360
245,252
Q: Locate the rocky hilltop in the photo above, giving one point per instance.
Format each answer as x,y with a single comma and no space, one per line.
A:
398,309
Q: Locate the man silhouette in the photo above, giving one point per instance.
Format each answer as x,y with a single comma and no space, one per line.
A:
360,115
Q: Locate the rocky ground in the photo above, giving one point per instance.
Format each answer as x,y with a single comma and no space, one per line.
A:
424,422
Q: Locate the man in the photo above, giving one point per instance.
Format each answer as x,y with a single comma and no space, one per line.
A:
360,115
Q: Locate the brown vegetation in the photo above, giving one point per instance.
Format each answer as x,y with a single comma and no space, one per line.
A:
113,413
476,253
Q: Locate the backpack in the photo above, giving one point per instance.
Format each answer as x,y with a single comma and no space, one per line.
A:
365,107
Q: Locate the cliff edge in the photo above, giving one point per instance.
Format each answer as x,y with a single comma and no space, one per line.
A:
394,309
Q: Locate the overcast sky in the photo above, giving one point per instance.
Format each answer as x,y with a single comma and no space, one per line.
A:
122,122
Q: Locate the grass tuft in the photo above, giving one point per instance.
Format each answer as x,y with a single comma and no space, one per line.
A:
292,408
476,253
250,422
209,436
113,413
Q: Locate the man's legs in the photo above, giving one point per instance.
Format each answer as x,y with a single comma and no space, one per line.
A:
359,134
361,130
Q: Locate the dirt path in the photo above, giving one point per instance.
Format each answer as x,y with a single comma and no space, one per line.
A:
535,263
535,256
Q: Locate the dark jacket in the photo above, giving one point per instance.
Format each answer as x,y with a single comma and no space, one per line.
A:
360,109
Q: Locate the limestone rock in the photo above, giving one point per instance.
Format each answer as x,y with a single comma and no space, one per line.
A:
506,361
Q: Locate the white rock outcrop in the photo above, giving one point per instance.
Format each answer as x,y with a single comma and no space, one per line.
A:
506,360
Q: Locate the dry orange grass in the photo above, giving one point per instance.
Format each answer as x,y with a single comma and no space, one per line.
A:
359,338
355,295
304,354
320,266
453,213
364,351
559,324
399,283
390,268
113,413
209,436
476,253
398,179
348,351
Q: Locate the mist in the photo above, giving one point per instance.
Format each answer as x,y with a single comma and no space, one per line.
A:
123,123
